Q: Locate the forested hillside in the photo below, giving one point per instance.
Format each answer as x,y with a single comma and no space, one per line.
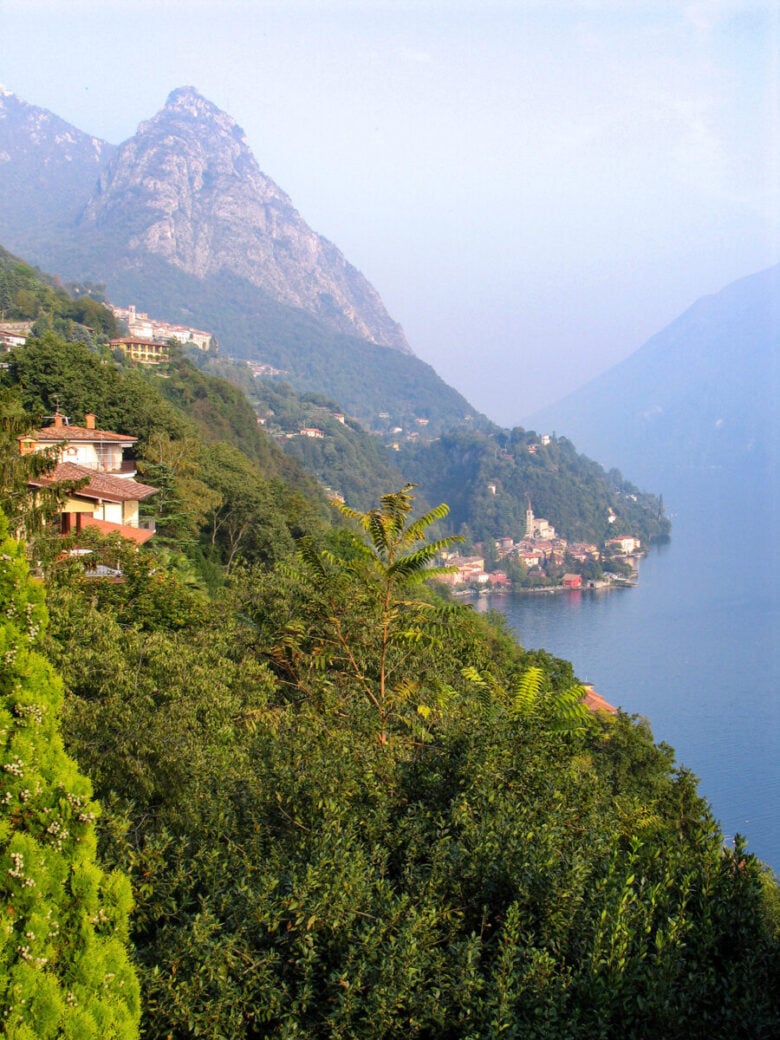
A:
75,311
487,476
489,480
346,806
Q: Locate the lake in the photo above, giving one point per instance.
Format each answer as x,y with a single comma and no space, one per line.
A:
695,648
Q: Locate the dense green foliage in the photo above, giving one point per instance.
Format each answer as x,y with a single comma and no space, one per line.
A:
347,807
571,491
65,970
75,312
475,861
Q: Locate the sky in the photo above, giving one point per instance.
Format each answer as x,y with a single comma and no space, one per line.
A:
534,187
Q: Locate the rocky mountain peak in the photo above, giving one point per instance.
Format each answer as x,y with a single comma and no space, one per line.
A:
187,188
189,101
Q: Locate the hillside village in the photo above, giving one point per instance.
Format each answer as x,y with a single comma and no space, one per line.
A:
141,327
535,559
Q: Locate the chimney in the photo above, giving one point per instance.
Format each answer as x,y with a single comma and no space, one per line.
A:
89,419
58,423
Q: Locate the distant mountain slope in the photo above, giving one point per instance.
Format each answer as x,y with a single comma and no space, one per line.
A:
364,378
47,169
700,396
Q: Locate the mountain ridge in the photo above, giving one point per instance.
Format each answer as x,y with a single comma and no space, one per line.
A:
47,167
698,397
187,187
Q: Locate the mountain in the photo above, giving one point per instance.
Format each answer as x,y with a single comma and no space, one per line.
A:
187,188
47,168
180,221
698,399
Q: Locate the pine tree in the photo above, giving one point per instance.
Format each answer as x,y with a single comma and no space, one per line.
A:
65,971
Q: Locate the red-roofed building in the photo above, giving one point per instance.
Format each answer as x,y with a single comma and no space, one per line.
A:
83,445
104,494
595,702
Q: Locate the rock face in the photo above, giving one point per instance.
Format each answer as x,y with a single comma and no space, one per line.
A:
187,188
47,168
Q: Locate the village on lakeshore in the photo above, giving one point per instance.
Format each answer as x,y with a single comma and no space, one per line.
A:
541,561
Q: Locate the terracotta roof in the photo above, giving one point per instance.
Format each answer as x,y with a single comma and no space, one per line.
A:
133,534
76,433
139,340
101,486
595,702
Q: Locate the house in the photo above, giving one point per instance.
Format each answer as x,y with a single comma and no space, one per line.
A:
142,351
499,578
626,545
595,702
14,334
311,431
583,551
532,558
466,569
106,496
572,581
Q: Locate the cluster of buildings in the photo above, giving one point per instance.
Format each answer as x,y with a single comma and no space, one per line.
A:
141,326
260,369
147,342
540,547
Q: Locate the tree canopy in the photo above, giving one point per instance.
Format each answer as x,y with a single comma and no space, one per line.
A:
65,968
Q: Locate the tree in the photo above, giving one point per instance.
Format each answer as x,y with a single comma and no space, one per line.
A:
64,967
386,565
24,511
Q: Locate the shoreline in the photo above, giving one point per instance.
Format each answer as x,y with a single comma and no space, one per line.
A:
547,590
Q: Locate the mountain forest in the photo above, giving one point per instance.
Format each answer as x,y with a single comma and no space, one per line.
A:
269,782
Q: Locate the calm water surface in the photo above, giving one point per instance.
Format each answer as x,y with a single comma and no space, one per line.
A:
694,648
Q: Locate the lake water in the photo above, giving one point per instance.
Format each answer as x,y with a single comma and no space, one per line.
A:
695,648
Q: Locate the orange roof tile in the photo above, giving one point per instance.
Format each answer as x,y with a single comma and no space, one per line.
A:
133,534
55,434
101,486
595,702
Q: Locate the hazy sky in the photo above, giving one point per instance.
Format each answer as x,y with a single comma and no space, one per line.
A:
534,188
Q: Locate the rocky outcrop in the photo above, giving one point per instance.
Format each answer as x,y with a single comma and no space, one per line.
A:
187,188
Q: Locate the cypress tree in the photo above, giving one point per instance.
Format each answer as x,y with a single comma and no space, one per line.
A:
65,970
